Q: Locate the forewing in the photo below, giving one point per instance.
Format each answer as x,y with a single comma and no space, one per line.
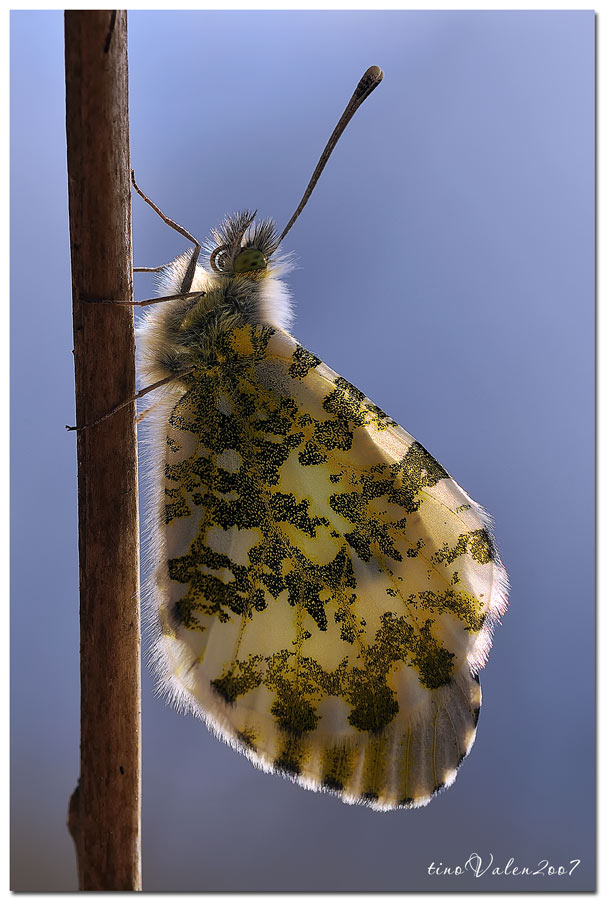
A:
326,590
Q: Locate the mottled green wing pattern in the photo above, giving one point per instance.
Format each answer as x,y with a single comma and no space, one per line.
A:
326,591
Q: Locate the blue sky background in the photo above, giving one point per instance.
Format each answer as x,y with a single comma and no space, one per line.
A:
446,267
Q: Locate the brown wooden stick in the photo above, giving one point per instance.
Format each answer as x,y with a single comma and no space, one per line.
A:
104,813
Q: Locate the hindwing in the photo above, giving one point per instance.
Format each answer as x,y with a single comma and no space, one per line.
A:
326,590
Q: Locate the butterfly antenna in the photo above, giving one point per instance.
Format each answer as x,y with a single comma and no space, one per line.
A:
366,85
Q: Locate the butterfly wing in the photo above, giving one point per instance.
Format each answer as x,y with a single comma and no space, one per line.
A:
326,591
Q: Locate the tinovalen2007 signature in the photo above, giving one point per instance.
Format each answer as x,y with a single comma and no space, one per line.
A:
477,866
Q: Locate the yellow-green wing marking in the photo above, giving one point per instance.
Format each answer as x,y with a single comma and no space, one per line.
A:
326,590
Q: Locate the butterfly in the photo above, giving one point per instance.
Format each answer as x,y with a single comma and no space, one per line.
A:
323,592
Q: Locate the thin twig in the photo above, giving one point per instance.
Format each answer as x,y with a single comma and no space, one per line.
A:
104,812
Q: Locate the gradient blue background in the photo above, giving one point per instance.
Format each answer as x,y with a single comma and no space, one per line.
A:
446,266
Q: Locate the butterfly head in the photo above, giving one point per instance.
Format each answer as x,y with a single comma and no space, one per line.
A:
242,247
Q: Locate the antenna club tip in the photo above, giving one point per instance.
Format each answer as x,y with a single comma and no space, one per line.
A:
374,73
368,83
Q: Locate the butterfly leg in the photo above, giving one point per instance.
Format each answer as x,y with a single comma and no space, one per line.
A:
189,274
125,403
149,302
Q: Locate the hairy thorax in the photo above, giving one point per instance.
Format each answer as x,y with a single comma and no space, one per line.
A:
180,335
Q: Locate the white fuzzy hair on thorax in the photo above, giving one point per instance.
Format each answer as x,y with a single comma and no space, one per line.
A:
275,304
265,301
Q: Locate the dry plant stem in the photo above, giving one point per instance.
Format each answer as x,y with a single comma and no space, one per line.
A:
104,812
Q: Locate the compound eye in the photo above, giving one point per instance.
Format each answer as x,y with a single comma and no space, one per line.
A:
249,260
